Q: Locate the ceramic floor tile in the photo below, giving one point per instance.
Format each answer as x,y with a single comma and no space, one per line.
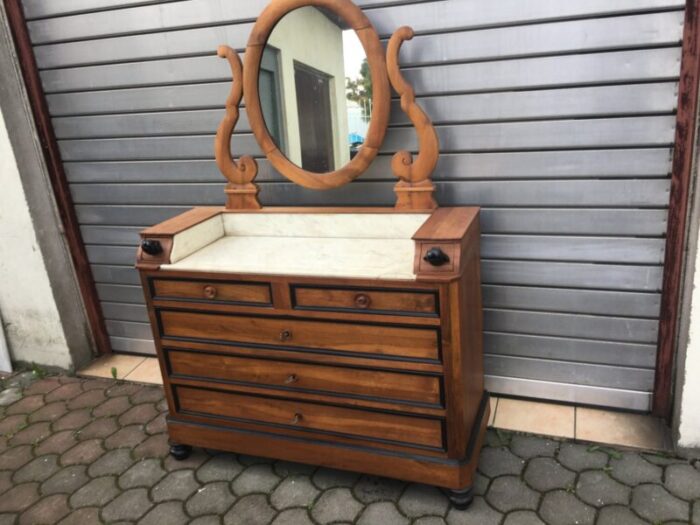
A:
102,367
493,401
535,417
147,372
620,428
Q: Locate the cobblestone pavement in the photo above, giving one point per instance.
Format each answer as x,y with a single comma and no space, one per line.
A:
78,451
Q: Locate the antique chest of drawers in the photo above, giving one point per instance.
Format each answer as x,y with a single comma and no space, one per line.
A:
350,339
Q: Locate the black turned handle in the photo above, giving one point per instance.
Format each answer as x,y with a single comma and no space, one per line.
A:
436,257
151,247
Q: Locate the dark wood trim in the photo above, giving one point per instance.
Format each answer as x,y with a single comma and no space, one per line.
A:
59,182
681,176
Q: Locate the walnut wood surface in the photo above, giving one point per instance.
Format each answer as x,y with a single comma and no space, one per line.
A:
293,377
181,222
364,300
213,291
381,100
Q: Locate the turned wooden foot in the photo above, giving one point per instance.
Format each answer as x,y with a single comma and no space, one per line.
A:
180,452
462,498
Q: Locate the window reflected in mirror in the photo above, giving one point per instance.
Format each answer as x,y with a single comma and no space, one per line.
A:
316,89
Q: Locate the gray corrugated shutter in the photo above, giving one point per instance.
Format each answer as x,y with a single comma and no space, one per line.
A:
556,117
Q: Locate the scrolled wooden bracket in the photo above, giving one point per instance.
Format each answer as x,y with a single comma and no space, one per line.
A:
414,190
241,192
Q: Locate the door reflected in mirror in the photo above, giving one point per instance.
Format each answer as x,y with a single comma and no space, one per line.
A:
315,89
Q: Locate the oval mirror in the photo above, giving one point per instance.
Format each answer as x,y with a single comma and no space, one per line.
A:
316,90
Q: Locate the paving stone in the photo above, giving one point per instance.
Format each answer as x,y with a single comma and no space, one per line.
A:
523,517
287,468
126,437
46,511
325,478
65,481
8,519
481,484
528,447
257,478
50,412
145,473
510,493
21,380
696,513
13,458
618,515
97,492
88,399
26,405
122,389
420,500
545,474
247,461
383,512
9,396
10,425
178,485
115,406
113,462
632,470
129,505
96,384
39,469
139,414
212,519
250,510
500,461
169,513
87,516
194,461
154,447
656,504
73,420
563,508
222,467
43,386
213,497
147,394
294,491
369,489
32,435
57,443
157,425
430,520
335,505
19,497
64,392
293,517
662,459
5,480
683,481
83,453
577,457
478,513
98,428
597,488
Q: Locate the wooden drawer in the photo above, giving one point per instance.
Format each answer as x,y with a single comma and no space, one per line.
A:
214,291
365,300
307,377
397,341
310,416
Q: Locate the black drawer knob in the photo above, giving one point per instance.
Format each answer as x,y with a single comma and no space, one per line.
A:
436,257
151,247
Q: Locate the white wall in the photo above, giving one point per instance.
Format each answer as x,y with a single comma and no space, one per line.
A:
32,324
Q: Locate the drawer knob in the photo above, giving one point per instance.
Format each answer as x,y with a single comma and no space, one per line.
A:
285,335
362,300
151,247
297,418
436,257
291,379
209,292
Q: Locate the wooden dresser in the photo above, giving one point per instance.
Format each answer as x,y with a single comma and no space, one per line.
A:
343,337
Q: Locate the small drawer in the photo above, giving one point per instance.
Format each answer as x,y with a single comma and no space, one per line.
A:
364,424
214,291
366,300
391,386
448,251
377,340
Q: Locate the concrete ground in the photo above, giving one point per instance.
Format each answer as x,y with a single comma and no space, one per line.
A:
83,451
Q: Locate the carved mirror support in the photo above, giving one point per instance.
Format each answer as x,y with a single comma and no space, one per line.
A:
379,71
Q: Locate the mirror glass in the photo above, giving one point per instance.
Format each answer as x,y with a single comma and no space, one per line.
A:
315,89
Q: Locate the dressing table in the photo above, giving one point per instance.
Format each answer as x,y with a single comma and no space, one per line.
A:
344,337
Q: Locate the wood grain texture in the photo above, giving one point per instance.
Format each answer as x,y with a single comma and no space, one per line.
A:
360,300
213,291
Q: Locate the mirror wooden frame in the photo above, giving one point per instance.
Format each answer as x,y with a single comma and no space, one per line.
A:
414,190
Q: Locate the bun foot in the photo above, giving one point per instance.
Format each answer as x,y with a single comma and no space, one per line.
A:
180,452
461,499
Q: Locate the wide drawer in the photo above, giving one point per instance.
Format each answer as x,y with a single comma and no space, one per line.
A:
379,340
310,416
214,291
307,377
365,300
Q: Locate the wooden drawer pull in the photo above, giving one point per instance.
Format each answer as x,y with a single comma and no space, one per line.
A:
210,292
362,300
297,419
285,335
291,379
